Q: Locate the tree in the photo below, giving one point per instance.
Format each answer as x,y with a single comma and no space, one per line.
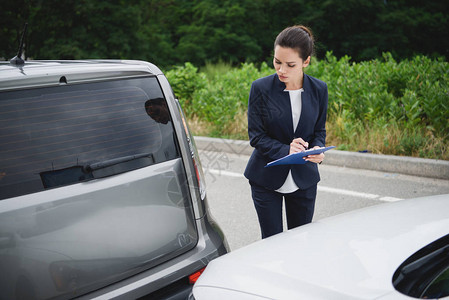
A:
171,32
85,29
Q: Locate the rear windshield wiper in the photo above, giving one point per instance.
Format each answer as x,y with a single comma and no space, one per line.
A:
74,174
115,161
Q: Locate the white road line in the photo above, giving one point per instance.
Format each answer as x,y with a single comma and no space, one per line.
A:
346,192
225,173
320,188
390,199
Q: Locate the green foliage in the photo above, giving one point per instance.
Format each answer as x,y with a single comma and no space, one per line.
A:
185,81
413,92
218,98
225,95
381,105
218,30
172,32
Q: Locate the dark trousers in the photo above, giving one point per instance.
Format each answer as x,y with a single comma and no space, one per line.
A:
299,208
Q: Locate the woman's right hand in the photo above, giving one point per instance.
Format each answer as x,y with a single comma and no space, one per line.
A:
298,145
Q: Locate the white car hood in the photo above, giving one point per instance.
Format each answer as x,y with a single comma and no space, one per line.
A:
353,255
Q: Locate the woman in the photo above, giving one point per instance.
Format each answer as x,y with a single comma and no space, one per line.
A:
286,114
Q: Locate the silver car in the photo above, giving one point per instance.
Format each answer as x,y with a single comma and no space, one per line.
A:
390,251
101,190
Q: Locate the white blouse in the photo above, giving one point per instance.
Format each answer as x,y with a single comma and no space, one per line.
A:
289,185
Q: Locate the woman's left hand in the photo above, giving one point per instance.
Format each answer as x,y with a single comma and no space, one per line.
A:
317,158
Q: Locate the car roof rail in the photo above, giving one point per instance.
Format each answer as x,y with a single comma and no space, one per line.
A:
18,60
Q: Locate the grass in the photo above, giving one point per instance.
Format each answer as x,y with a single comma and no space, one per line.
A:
380,138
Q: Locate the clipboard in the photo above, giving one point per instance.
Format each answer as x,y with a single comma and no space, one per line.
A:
297,158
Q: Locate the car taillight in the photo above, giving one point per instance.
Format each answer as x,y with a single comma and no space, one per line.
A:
194,277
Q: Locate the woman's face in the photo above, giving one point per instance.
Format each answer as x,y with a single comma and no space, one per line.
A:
289,67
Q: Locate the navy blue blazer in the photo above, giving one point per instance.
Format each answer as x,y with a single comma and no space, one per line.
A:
270,130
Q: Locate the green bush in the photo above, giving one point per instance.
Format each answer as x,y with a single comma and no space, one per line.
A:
225,94
413,92
382,105
185,80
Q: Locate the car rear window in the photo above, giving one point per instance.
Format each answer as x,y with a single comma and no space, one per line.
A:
63,135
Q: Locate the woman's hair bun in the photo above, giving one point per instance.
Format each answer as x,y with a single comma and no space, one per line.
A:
298,37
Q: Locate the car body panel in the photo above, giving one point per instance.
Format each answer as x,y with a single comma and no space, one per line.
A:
348,256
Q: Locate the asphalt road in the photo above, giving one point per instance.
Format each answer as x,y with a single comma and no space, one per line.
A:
340,190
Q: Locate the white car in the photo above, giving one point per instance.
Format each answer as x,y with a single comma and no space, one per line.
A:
389,251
